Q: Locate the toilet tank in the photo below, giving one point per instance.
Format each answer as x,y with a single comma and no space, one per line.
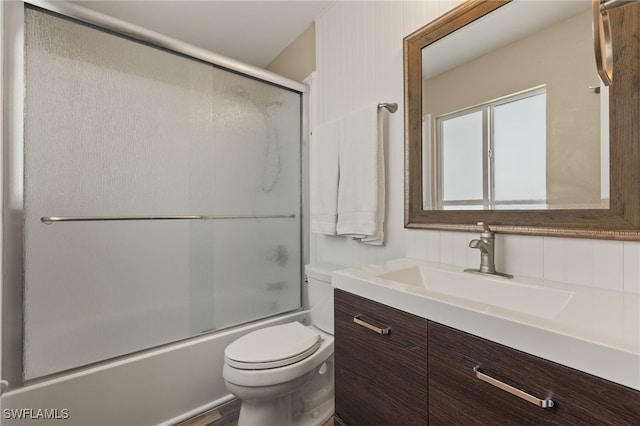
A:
320,295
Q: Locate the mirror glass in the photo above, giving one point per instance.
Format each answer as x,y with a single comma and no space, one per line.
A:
516,119
500,133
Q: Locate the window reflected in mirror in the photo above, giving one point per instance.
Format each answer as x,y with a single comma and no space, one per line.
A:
491,156
516,119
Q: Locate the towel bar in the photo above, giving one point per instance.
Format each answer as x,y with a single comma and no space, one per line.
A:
390,106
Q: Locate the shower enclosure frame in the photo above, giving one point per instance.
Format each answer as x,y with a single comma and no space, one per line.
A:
12,24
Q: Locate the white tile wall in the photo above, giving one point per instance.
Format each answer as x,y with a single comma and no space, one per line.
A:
359,60
578,269
607,264
631,268
611,265
555,259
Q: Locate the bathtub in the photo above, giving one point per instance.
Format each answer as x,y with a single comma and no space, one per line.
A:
157,387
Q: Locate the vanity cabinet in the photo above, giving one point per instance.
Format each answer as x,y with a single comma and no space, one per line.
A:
380,364
421,372
457,396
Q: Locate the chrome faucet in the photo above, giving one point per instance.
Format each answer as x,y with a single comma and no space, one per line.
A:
486,244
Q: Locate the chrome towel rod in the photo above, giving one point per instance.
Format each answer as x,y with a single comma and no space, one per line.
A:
390,106
48,220
606,5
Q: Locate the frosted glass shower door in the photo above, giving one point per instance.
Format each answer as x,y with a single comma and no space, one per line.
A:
116,128
252,170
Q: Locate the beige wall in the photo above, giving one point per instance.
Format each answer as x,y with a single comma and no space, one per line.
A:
573,111
297,60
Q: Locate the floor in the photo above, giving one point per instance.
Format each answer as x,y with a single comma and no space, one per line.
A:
225,415
329,422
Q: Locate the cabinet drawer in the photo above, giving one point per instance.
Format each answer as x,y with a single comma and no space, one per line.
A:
381,379
457,396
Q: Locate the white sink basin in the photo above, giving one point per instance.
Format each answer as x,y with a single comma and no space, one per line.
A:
512,294
548,319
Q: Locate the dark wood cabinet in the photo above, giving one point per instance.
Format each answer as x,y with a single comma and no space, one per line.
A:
423,372
381,379
457,396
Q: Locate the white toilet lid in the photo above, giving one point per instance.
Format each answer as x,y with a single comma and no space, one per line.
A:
272,347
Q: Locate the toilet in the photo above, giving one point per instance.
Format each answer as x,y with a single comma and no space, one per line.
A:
284,374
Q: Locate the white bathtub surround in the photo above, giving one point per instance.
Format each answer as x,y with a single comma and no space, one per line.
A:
361,187
159,387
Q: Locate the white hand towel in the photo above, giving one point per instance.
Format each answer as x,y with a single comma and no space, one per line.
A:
361,183
378,237
323,177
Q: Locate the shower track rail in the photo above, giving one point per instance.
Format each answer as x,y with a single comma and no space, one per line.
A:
49,220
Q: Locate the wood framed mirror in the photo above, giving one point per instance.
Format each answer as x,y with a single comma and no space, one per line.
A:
616,213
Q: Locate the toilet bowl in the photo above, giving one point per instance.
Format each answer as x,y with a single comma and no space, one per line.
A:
284,374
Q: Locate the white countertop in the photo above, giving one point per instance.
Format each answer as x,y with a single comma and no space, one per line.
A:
597,331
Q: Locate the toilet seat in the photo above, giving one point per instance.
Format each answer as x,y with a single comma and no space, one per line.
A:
272,347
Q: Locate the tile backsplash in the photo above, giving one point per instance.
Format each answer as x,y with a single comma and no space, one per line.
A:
613,265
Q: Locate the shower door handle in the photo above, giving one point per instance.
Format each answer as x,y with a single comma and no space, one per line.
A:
48,220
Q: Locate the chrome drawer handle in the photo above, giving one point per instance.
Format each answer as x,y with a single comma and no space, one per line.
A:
544,403
365,324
